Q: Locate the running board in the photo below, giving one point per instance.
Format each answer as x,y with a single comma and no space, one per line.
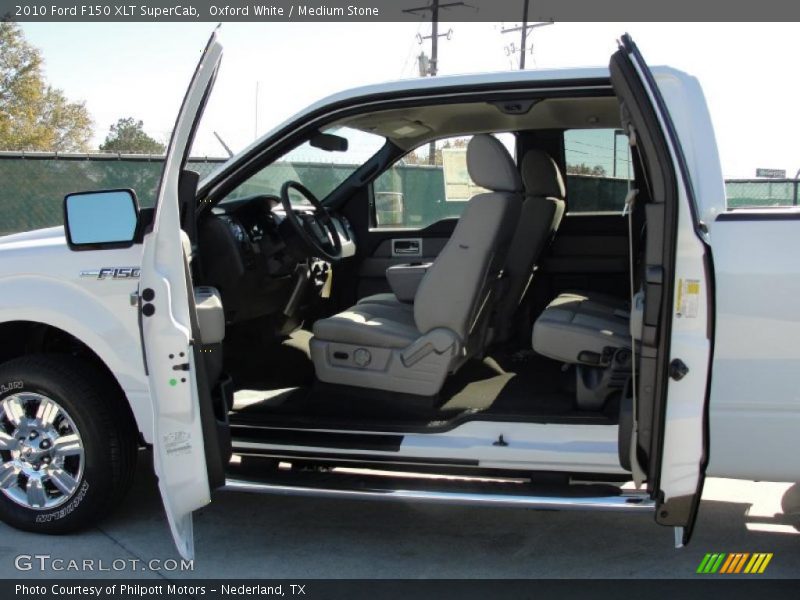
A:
624,502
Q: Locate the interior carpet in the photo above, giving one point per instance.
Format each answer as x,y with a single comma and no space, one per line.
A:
280,386
286,363
536,385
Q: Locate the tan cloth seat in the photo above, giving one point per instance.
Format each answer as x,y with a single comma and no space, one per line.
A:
386,299
373,325
411,350
539,219
577,322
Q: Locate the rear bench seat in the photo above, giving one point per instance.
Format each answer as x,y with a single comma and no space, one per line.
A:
576,327
593,333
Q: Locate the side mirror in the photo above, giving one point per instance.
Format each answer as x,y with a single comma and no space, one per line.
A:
101,220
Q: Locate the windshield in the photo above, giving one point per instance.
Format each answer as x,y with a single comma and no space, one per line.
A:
321,171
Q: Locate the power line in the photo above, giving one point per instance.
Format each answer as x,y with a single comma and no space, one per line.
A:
433,8
525,29
608,157
255,115
410,52
432,68
224,145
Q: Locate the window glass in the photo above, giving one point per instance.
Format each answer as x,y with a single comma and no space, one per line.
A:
321,171
428,184
598,168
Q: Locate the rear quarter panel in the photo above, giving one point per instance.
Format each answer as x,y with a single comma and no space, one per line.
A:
755,389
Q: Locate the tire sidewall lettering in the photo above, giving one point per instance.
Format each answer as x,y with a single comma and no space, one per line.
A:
15,387
90,398
11,387
68,508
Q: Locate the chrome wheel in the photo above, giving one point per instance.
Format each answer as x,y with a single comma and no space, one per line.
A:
41,451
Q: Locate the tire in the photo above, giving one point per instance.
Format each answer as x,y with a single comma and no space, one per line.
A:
55,482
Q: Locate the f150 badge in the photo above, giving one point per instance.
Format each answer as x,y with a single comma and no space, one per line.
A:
113,273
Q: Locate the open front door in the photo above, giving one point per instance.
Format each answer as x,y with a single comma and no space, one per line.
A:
669,439
182,449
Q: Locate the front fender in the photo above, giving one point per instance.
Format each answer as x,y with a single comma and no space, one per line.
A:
100,317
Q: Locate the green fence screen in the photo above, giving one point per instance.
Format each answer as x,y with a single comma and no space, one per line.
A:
743,193
32,188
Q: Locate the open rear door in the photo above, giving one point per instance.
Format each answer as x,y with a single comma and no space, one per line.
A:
670,436
184,441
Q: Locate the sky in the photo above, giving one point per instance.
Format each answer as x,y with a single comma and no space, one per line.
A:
747,71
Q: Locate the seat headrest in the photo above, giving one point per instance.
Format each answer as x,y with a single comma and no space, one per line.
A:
541,175
491,166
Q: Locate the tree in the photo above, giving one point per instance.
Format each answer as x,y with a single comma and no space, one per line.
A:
413,158
584,169
127,136
33,114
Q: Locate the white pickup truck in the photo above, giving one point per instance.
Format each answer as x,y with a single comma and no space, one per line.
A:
268,330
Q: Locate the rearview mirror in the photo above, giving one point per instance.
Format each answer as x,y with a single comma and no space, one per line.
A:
101,219
329,142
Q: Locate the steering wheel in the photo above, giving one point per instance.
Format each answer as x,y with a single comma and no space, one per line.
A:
317,231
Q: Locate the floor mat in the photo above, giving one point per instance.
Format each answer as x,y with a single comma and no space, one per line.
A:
286,363
500,385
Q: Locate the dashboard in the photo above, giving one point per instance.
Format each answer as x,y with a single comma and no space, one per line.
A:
248,252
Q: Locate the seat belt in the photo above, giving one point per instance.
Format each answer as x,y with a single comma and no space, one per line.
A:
630,200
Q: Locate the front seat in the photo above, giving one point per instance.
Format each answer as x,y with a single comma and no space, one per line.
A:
399,349
540,217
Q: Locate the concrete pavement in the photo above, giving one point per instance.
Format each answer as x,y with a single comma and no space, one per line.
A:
250,535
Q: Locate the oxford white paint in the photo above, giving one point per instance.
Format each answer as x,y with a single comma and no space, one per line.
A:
683,451
40,282
755,383
178,448
755,400
689,113
531,446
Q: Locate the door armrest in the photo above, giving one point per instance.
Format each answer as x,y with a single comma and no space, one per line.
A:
405,279
210,315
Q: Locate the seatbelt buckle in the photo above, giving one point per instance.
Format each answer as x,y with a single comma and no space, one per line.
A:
630,200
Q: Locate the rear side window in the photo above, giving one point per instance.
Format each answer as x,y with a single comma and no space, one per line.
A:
427,185
598,168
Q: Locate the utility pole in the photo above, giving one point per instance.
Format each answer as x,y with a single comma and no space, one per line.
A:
433,65
224,145
617,133
255,119
524,30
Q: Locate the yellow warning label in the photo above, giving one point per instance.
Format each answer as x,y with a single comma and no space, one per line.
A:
688,299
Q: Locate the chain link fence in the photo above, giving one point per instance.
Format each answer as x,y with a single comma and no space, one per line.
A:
754,193
33,186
